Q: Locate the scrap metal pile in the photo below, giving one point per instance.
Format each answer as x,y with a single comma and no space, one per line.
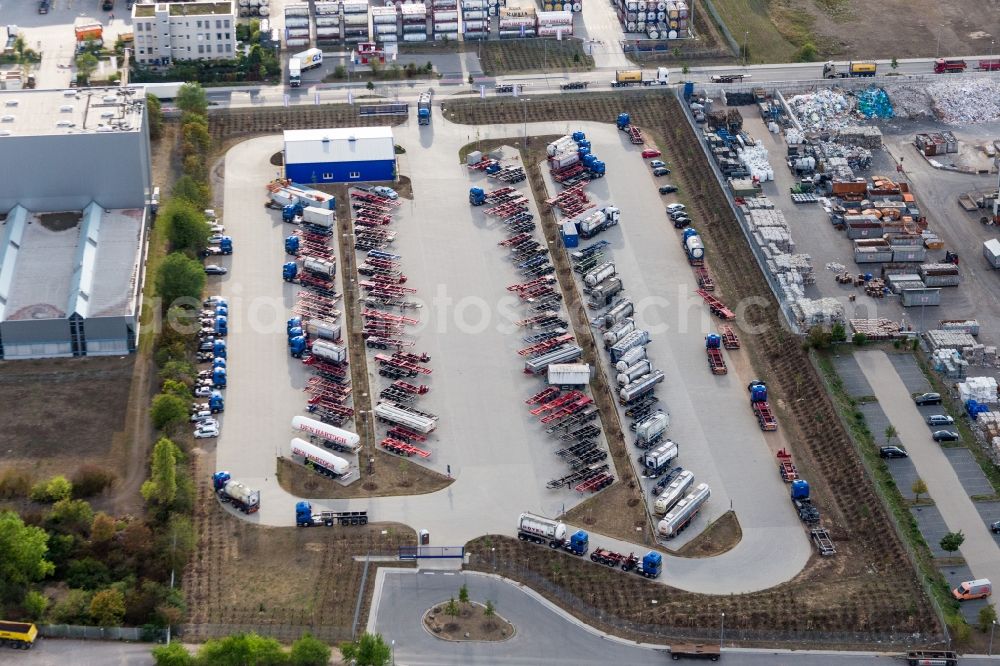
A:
958,100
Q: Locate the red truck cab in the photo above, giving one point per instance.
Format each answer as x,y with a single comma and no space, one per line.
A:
943,66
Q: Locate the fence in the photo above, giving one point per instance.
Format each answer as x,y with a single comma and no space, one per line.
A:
413,552
661,633
390,109
758,252
99,633
710,6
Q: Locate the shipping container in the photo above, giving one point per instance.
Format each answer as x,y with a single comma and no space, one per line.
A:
921,297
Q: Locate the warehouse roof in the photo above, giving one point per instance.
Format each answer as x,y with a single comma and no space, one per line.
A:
71,111
69,262
342,144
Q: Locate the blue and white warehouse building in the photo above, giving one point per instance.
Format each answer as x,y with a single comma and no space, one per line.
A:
341,155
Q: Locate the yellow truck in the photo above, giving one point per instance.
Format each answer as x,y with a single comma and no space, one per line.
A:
858,68
18,635
630,77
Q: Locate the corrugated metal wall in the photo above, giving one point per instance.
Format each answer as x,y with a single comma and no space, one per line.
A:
342,172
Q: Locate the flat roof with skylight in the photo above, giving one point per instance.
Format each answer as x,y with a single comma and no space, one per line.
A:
71,111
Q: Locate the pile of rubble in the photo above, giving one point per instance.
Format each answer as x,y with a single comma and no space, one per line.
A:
876,329
833,154
959,100
862,136
943,339
823,109
874,103
755,159
948,362
811,312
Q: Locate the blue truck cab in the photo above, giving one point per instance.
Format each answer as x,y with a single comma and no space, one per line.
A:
219,349
215,403
290,212
219,378
652,564
289,271
221,325
297,346
292,245
477,197
303,514
226,245
623,121
578,544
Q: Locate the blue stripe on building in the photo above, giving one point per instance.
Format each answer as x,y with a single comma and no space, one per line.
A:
341,172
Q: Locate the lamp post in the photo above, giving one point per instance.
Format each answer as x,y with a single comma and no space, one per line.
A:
746,39
393,644
992,629
722,631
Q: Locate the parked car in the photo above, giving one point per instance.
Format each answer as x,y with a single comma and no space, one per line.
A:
681,222
211,251
364,188
212,269
201,415
203,391
675,206
668,189
940,420
651,152
656,164
43,7
995,527
217,228
945,436
893,452
215,239
386,192
678,213
661,171
205,432
928,399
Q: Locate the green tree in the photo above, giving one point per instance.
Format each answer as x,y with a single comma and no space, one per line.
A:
180,372
180,277
818,338
176,542
242,650
72,608
309,651
918,488
952,541
188,189
174,654
368,650
35,604
987,617
490,613
161,488
370,86
86,64
894,64
890,432
340,72
191,98
196,137
22,554
175,387
807,53
186,225
451,608
70,516
53,490
154,112
103,528
859,339
168,410
838,333
463,594
107,608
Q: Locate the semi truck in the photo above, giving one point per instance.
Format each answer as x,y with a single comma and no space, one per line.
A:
656,461
684,512
596,221
991,250
633,77
650,429
858,68
321,460
808,513
304,516
675,491
18,635
545,531
761,407
233,492
950,66
301,62
328,435
693,247
424,107
713,349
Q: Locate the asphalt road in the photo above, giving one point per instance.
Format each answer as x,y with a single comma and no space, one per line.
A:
979,550
55,652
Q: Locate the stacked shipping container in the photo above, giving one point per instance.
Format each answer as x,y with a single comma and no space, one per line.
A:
327,23
355,21
475,19
655,19
296,25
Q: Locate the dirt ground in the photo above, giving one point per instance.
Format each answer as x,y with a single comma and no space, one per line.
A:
393,476
85,421
514,56
845,28
720,536
279,581
471,624
870,586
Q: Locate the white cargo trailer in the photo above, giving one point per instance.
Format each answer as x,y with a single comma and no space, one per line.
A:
331,436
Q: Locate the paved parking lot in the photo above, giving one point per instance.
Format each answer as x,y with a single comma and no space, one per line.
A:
910,373
932,526
955,576
904,474
854,380
969,472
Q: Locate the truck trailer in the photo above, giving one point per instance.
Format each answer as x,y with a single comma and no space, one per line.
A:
634,77
18,635
304,516
321,460
684,512
675,491
330,436
392,413
233,492
541,530
854,68
656,461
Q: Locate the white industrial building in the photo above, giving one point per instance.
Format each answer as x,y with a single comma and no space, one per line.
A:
72,221
343,155
169,31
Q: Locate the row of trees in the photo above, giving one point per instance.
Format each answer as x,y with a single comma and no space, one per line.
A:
245,649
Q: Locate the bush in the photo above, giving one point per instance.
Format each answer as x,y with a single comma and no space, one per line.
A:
807,53
73,608
107,608
179,277
168,410
70,516
55,489
88,574
90,480
859,339
14,483
35,604
174,654
309,651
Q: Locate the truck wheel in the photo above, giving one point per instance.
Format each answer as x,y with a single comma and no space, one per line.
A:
363,520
